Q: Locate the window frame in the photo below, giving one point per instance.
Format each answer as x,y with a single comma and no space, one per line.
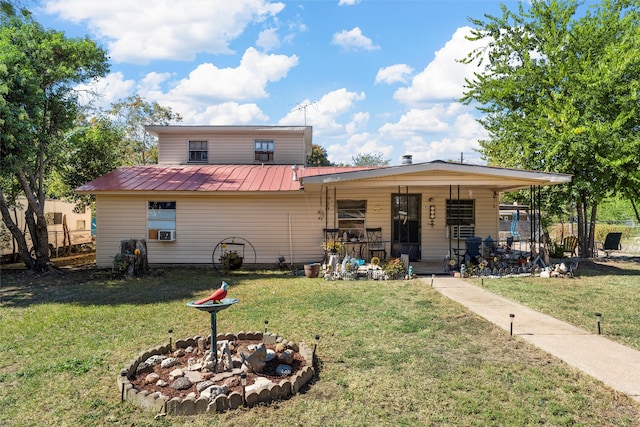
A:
352,217
161,215
203,156
466,209
259,151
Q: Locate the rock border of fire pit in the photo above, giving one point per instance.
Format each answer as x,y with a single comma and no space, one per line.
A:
189,406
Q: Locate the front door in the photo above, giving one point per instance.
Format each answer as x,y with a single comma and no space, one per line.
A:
406,226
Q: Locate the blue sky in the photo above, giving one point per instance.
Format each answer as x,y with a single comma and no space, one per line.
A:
370,76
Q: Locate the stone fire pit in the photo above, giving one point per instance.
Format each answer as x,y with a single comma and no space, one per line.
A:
179,381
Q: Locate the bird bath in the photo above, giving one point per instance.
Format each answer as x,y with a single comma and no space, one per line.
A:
213,308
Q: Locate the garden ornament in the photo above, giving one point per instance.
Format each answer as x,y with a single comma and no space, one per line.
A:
217,296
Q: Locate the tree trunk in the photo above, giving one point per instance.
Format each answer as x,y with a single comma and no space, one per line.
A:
66,239
133,257
18,236
592,230
37,225
586,225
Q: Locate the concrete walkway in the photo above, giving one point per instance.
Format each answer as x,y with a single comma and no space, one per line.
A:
614,364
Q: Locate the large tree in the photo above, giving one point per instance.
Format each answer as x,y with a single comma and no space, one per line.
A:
132,114
93,148
559,93
39,69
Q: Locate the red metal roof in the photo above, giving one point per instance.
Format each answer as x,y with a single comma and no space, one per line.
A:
208,178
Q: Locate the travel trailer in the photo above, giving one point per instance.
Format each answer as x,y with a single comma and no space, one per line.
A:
57,212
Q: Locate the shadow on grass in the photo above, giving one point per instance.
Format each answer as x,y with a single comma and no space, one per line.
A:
92,286
623,266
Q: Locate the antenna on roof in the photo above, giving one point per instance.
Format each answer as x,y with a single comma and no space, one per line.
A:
304,107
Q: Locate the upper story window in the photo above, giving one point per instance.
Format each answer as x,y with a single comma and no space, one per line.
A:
198,152
264,151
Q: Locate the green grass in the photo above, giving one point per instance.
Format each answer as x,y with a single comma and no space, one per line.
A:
608,287
391,353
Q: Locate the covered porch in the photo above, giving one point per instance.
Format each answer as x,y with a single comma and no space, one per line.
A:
426,211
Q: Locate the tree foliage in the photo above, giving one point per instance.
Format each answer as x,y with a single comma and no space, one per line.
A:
132,114
39,69
318,156
370,159
94,148
559,93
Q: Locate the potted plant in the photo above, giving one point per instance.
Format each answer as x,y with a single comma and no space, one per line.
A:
332,246
230,260
394,268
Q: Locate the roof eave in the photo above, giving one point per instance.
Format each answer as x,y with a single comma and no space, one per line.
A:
535,177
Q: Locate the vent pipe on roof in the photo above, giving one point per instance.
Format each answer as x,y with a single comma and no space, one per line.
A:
407,159
294,169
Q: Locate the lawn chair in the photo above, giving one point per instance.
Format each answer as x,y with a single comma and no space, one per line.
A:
570,245
472,252
375,243
611,243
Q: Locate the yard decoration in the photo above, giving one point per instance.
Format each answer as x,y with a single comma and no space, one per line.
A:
217,296
230,260
332,246
394,268
243,369
132,258
231,253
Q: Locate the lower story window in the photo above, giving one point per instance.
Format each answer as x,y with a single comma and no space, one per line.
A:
461,218
161,221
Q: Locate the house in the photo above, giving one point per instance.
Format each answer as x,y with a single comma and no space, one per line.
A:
249,184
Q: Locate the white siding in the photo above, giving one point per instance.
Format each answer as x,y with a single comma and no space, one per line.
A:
287,224
117,218
267,222
231,148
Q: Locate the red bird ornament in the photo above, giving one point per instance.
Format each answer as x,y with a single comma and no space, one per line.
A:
217,296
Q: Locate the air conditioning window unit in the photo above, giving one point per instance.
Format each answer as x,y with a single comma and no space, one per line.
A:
460,232
167,235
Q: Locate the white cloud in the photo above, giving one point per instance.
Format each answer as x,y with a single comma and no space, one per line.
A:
415,121
353,40
105,91
440,132
463,137
138,32
348,2
397,73
268,40
358,121
247,81
443,78
323,114
227,113
363,143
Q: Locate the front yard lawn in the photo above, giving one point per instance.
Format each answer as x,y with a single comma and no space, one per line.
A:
392,353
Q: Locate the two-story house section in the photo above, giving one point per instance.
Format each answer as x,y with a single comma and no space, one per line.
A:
232,145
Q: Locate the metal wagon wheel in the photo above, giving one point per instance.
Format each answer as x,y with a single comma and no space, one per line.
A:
241,246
